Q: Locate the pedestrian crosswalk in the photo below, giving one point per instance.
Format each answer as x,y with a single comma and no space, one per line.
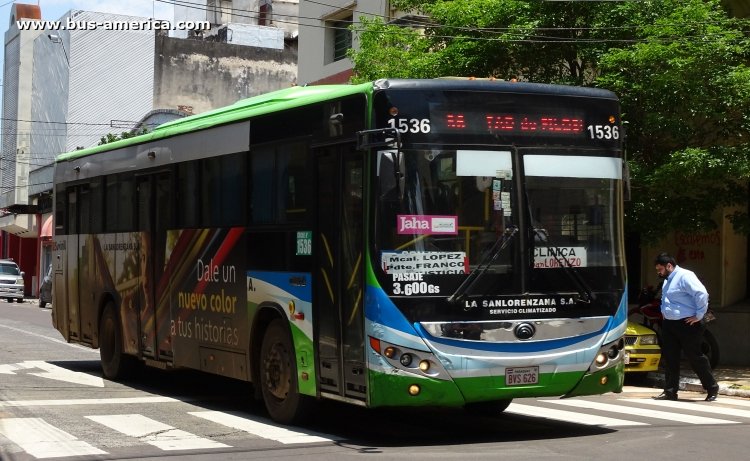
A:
38,438
638,411
42,440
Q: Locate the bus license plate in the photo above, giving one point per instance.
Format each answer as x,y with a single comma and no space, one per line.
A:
520,376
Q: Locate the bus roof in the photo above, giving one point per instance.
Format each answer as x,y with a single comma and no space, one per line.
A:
303,95
477,84
257,105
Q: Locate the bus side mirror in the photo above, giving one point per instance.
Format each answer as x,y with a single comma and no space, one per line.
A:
380,137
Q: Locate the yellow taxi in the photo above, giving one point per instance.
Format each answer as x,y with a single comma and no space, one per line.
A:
642,351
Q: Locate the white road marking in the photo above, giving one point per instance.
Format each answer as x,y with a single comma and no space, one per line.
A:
8,369
42,440
696,406
67,402
51,371
738,401
155,433
570,416
630,410
55,340
266,431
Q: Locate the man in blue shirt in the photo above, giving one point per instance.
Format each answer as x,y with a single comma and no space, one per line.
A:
684,302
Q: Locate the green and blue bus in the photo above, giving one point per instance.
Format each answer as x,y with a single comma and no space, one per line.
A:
445,242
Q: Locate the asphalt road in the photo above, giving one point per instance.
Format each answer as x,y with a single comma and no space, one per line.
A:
54,404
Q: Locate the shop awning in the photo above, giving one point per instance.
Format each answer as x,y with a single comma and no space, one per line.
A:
47,227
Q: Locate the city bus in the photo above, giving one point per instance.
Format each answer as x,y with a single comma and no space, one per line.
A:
399,243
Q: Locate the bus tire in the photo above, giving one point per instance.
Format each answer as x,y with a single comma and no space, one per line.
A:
278,376
493,408
115,363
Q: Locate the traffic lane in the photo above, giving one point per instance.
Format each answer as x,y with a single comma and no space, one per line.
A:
27,334
27,311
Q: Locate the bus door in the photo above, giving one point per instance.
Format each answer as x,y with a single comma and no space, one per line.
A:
80,266
338,272
154,215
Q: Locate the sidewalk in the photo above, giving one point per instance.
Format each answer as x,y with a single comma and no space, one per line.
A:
734,381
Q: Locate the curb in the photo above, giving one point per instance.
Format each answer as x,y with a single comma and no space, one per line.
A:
688,383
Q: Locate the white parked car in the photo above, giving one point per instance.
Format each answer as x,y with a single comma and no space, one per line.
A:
11,281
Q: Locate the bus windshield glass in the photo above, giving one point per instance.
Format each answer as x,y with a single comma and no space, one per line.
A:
442,212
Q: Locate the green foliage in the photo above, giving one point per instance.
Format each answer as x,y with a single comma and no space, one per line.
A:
111,137
551,42
685,92
680,68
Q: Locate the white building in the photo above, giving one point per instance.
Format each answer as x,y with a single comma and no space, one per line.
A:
16,127
96,81
325,36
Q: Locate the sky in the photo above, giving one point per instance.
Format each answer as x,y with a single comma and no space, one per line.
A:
54,9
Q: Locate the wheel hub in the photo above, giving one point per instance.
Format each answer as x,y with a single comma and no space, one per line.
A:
278,371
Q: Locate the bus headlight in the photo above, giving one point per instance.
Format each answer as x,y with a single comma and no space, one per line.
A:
601,358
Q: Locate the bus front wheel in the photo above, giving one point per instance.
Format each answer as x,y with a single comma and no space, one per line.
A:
278,376
115,363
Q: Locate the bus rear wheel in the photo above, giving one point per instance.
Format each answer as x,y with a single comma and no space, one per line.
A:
115,363
278,376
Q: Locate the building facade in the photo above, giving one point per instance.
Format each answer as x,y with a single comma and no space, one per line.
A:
326,35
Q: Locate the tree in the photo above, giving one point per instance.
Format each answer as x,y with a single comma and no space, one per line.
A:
679,67
111,137
685,91
539,41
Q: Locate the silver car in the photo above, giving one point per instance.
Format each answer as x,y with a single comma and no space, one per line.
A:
11,281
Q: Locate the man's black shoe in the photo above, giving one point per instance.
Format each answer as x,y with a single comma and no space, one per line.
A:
712,394
666,396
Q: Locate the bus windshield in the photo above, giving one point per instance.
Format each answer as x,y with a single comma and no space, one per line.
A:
441,212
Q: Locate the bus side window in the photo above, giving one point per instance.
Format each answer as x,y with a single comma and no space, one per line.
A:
61,227
97,204
125,214
187,194
111,204
72,210
119,191
293,182
232,189
84,208
262,161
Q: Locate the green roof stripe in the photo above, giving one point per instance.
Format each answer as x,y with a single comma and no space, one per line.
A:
288,98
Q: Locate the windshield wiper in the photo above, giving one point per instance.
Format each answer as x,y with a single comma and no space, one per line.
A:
491,256
585,294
